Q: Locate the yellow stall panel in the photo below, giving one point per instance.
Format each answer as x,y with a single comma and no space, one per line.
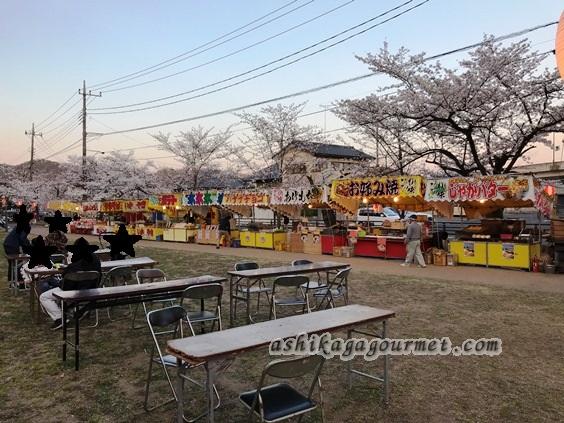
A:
509,254
248,239
180,234
168,235
265,240
469,252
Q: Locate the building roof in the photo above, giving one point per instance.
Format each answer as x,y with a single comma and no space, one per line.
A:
329,150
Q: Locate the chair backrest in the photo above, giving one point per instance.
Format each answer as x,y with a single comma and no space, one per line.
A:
204,291
165,321
150,275
291,281
58,258
167,316
292,368
246,265
80,280
342,275
118,276
302,261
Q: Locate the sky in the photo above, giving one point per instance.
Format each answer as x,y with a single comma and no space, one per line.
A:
48,47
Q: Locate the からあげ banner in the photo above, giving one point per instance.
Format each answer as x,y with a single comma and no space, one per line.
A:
135,206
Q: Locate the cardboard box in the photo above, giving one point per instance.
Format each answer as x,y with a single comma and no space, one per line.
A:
452,259
396,224
337,251
440,258
294,242
347,251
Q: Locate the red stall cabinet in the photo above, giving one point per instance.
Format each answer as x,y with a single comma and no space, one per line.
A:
328,241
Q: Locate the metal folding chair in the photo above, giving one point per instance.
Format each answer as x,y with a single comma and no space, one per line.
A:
118,276
243,290
338,288
165,324
200,293
147,276
281,401
297,299
311,285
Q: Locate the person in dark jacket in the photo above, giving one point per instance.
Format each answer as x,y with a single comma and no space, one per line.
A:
122,243
16,242
58,222
83,259
224,230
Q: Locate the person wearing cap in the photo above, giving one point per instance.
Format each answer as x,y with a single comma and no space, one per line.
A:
413,243
83,259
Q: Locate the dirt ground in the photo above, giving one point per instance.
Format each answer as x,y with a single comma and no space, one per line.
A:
523,384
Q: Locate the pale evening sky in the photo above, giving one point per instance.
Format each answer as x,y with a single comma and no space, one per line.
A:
49,46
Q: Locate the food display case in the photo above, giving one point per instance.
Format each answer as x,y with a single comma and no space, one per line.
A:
496,242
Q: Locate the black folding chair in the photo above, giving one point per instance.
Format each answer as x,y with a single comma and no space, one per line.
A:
248,288
281,401
199,294
293,284
165,324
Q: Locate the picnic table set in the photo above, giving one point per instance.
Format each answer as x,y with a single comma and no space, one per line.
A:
319,308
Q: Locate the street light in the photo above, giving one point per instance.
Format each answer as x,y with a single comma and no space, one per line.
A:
96,152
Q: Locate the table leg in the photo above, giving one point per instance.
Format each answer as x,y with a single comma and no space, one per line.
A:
231,309
31,299
76,339
386,367
248,301
210,375
64,314
179,393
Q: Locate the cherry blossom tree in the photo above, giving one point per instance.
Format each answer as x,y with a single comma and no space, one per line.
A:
479,118
272,130
199,149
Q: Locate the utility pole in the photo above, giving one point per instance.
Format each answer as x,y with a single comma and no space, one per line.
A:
33,134
85,94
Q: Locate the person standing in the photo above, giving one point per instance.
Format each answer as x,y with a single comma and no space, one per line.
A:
83,259
413,243
224,230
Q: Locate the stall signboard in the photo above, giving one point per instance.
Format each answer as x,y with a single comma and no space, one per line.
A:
469,249
480,188
245,198
385,186
61,205
203,198
508,250
298,195
91,207
135,206
164,200
111,206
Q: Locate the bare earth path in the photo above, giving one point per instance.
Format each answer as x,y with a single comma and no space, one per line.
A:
506,278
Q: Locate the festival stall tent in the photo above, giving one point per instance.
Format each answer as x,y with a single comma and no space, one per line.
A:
291,202
260,238
401,192
495,242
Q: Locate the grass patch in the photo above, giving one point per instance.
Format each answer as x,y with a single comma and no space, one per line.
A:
523,384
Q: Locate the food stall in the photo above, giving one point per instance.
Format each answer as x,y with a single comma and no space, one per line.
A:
244,202
493,242
401,192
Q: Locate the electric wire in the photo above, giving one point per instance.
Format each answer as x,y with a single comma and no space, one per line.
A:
233,53
269,63
173,60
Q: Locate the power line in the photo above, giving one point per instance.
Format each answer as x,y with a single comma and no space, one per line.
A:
327,86
269,63
59,108
52,121
157,67
233,52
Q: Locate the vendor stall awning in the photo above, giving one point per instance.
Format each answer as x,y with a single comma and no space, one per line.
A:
481,195
405,192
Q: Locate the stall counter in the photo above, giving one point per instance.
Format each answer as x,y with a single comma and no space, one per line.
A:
389,247
330,241
470,252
